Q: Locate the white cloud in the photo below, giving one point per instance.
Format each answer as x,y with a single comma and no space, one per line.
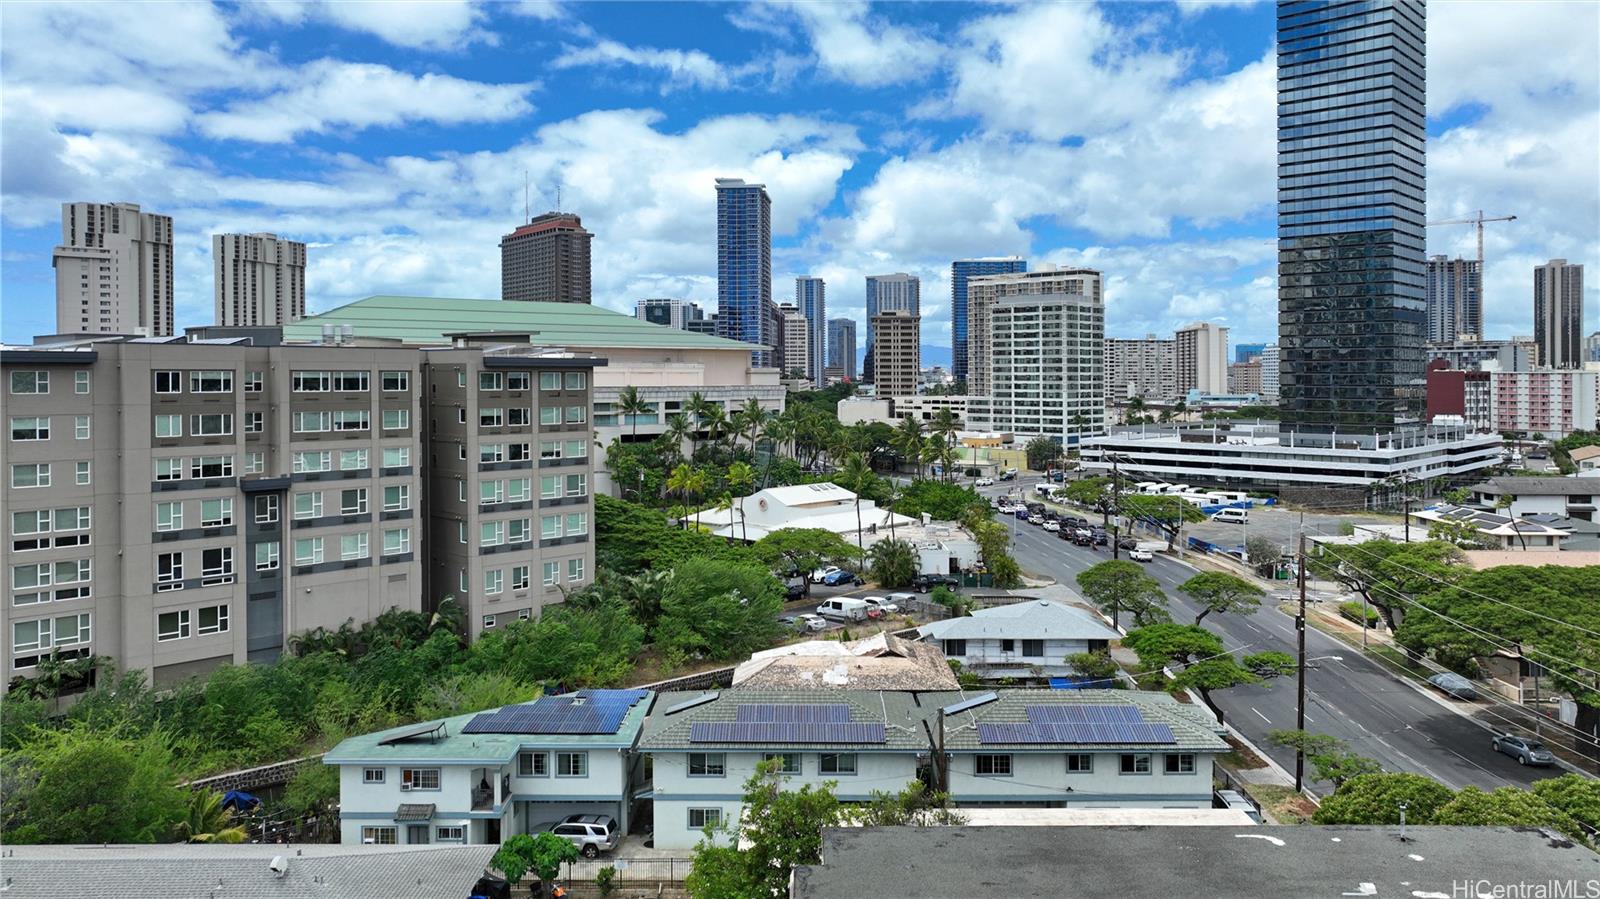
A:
421,24
849,42
332,94
684,68
1190,8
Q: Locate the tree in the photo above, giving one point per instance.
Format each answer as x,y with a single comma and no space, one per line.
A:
1168,514
312,794
82,785
631,406
1099,667
1119,586
894,563
856,477
780,828
1506,807
993,538
1042,453
741,477
1205,664
914,806
1385,573
1088,491
959,605
1330,758
1464,534
802,551
543,854
1220,592
719,610
1574,794
1264,554
908,442
208,822
940,501
1374,799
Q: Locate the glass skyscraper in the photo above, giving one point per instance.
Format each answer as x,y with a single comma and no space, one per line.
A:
744,266
960,271
811,295
1352,281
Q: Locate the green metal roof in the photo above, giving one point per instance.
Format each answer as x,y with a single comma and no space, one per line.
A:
426,320
464,748
1193,727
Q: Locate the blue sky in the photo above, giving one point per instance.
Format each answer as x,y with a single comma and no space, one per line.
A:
1132,137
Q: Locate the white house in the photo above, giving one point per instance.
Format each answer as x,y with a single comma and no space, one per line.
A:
1499,531
1021,640
1572,497
824,506
482,777
1035,748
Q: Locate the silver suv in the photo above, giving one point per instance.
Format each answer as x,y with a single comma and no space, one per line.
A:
592,834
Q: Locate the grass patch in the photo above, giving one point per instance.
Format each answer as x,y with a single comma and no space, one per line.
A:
1282,803
1239,756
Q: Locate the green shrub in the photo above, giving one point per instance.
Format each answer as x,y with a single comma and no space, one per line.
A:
1355,611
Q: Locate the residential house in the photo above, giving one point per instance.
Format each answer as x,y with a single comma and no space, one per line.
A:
825,506
1587,458
482,777
1497,531
1029,639
1574,497
880,662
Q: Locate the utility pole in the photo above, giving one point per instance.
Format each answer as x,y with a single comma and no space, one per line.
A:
1116,507
1300,704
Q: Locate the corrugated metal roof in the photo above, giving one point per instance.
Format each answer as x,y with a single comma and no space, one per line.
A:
1033,620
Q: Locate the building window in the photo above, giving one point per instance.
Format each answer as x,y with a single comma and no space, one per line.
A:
552,573
836,763
533,764
169,516
992,765
81,473
254,382
216,565
576,449
491,418
577,523
519,530
310,381
308,505
518,417
955,647
380,836
518,380
577,484
701,818
351,381
574,569
1033,649
213,620
266,509
172,625
30,636
549,527
80,427
396,381
211,382
396,456
396,498
519,490
30,382
80,381
1180,763
450,833
308,551
550,415
708,764
211,425
519,577
396,419
491,492
352,420
788,762
312,422
572,764
396,541
550,487
31,428
524,614
488,622
575,380
168,381
494,581
353,501
352,460
353,546
491,533
1080,763
491,380
1135,764
420,778
211,467
216,513
34,474
577,414
169,571
549,380
310,462
254,422
267,556
373,775
169,469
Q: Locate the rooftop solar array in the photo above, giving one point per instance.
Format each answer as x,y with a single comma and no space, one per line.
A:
811,714
967,705
785,732
583,712
1057,732
688,704
1084,714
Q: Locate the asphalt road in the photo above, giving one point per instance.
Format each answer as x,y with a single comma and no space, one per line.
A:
1351,698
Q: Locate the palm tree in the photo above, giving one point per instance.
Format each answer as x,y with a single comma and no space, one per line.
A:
749,420
726,503
895,493
945,424
208,822
696,406
932,447
716,423
680,482
894,563
1135,412
632,406
775,431
698,481
741,478
448,616
857,475
908,442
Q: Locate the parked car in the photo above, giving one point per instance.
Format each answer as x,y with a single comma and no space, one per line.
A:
1139,555
592,834
794,590
1052,526
1539,454
1232,516
1067,533
901,600
821,574
1036,519
844,608
1059,476
1235,800
923,583
1009,474
1525,751
881,603
810,621
1021,512
985,482
840,576
1127,543
1454,685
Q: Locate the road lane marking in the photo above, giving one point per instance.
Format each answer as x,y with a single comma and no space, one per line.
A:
1259,715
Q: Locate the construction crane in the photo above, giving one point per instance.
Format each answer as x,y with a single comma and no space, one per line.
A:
1478,220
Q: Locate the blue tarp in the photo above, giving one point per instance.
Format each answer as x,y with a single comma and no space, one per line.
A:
1079,683
239,800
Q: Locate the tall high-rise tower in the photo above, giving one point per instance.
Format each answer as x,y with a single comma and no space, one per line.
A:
1201,358
898,292
811,296
1455,299
744,266
546,260
1352,306
960,271
261,279
113,270
842,347
1558,314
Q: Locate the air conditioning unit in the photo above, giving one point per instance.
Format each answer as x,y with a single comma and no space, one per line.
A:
405,788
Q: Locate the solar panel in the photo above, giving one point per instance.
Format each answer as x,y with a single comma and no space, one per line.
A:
785,732
584,712
969,704
820,713
424,730
688,704
1042,714
1075,732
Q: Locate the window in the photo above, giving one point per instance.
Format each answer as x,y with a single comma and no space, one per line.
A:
836,763
519,530
396,541
574,569
533,764
955,647
306,462
577,414
992,765
312,422
216,564
572,764
169,571
576,449
1033,648
216,513
449,833
575,380
396,498
461,378
81,473
169,469
549,527
519,490
267,556
552,573
494,581
550,487
396,456
396,381
33,428
380,836
1080,763
254,381
488,622
396,419
491,418
577,523
518,380
491,380
350,381
701,818
549,449
212,620
491,492
35,474
373,775
354,546
211,467
518,452
80,427
172,625
27,636
266,509
420,778
461,492
353,501
168,381
788,762
708,764
519,577
169,516
80,381
577,484
211,382
1180,763
1008,646
254,422
30,382
524,614
308,551
352,460
491,533
352,420
461,415
308,505
549,380
211,425
491,452
461,532
461,578
1135,764
550,415
255,462
72,629
519,417
310,381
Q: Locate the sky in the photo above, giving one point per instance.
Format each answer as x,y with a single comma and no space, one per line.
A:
1135,138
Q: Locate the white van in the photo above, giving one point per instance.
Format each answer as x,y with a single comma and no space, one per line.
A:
844,609
1232,516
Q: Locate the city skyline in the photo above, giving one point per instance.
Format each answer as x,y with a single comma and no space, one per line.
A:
660,96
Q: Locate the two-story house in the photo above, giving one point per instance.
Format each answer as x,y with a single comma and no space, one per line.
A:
1029,639
482,777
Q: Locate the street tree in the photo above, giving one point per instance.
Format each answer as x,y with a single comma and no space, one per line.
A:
1506,807
718,610
1042,453
1097,666
1264,554
1118,586
1218,591
1199,661
893,563
1167,514
1331,759
1574,794
543,854
1388,574
1088,491
1375,799
802,551
993,540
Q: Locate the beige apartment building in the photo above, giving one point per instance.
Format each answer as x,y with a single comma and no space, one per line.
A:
1201,351
113,270
1143,368
896,352
179,505
260,279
